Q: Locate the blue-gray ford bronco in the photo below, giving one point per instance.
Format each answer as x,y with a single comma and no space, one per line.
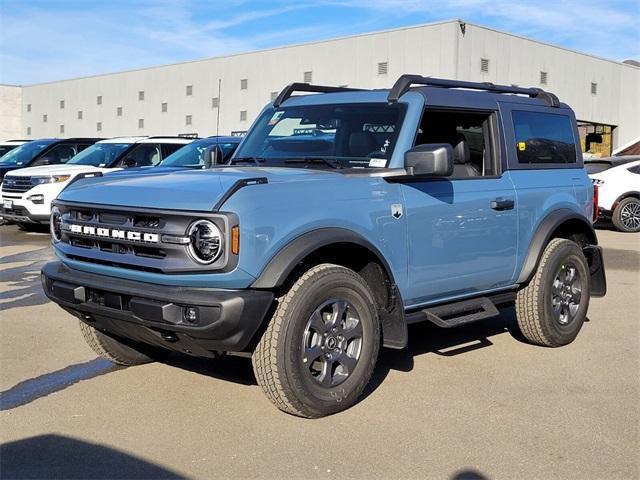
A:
344,216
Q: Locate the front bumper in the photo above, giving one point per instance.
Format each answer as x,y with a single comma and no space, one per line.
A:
155,314
21,214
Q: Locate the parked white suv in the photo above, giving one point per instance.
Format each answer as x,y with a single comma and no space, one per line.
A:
27,193
618,181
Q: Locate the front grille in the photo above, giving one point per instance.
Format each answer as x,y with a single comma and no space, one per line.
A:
136,238
16,184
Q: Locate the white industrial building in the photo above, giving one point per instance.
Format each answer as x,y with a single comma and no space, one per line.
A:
224,94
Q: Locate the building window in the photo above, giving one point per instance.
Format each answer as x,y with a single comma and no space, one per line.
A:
189,90
308,77
28,130
79,114
383,68
119,111
243,115
215,102
99,126
141,95
163,108
594,88
61,128
543,78
274,95
99,99
484,65
244,84
141,123
188,120
61,104
44,118
28,107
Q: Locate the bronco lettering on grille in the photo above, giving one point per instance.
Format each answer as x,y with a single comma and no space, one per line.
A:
115,233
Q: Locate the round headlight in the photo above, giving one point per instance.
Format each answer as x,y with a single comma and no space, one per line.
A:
205,241
55,224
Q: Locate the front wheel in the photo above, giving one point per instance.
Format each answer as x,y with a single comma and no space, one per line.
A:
626,215
320,348
551,309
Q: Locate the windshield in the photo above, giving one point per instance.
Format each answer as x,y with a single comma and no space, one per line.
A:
99,154
6,148
194,154
25,152
344,135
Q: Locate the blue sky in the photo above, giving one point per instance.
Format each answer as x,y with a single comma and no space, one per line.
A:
43,40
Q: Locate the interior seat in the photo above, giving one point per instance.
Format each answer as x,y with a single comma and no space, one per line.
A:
462,165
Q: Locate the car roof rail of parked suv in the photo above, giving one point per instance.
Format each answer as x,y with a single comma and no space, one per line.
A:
404,83
307,87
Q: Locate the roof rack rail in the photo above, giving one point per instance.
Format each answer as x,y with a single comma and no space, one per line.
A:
307,87
17,140
405,82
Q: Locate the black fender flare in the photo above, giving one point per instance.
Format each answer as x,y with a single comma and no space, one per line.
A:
542,237
277,270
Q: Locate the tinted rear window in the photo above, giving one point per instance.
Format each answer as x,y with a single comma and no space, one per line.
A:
596,167
544,138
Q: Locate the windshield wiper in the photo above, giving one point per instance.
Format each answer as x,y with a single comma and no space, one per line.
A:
309,160
255,160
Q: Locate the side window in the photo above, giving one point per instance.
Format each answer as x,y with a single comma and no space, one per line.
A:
228,149
543,137
468,133
144,155
635,169
169,148
58,154
81,146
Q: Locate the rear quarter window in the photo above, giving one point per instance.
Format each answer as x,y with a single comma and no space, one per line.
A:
543,138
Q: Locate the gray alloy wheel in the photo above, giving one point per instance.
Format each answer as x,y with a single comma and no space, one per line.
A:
332,342
626,216
566,293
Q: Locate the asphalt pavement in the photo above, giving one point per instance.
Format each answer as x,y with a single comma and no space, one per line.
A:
468,403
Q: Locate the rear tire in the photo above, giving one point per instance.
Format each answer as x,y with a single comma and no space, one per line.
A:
321,345
552,308
626,215
118,352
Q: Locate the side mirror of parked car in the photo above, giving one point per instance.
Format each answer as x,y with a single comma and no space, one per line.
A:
430,159
213,156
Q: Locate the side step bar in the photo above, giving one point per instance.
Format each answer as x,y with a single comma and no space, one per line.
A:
460,313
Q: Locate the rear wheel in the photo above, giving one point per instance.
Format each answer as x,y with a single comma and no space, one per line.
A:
626,216
552,308
320,348
116,351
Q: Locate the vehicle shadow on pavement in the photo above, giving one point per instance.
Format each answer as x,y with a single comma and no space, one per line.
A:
425,338
57,456
23,281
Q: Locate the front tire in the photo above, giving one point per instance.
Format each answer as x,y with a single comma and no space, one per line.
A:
118,352
626,215
551,309
320,348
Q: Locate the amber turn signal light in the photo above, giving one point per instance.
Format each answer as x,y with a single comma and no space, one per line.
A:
235,240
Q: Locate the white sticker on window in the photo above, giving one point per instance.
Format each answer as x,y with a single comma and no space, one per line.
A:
276,117
378,162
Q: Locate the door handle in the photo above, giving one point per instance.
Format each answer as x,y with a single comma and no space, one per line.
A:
502,204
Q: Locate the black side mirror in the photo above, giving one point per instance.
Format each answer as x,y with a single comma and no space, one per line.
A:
129,162
429,160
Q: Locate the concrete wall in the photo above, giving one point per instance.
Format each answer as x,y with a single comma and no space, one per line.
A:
10,112
439,49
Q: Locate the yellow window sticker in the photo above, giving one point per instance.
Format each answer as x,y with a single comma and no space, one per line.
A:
522,146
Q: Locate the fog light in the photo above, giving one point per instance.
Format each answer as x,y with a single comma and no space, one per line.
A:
37,199
191,314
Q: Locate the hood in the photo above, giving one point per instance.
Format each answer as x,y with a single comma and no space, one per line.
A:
57,170
197,190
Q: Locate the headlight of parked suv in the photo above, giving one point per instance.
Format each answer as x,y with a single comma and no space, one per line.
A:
597,181
206,241
49,179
